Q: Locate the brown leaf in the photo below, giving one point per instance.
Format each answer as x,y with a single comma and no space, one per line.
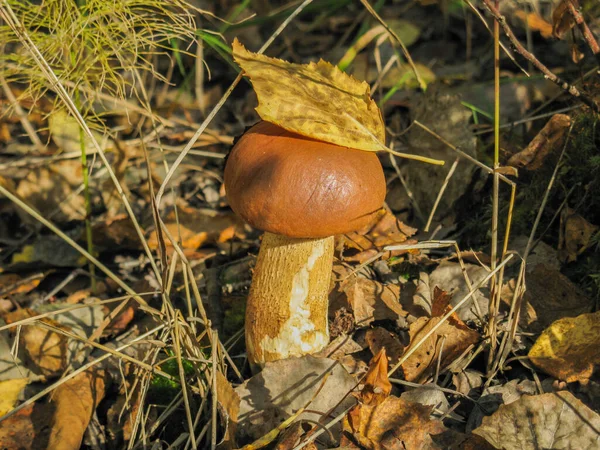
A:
556,420
575,235
284,386
377,385
11,283
379,338
545,142
195,228
45,351
368,300
229,408
74,403
392,424
27,429
440,302
50,189
562,20
421,364
570,348
385,230
550,296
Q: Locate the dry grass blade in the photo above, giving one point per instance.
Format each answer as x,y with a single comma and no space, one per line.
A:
448,314
441,194
72,243
109,350
383,147
222,101
398,40
11,19
83,368
60,311
27,126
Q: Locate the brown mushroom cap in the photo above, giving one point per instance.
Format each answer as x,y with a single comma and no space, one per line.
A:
299,187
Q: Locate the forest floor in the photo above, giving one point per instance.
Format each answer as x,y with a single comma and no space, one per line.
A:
464,316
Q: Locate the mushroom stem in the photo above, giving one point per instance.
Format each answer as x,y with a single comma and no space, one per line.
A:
286,314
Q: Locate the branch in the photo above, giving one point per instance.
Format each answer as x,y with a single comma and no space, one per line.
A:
531,58
584,29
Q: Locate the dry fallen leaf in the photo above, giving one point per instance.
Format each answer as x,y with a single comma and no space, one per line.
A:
282,387
229,408
377,384
385,230
493,397
10,390
368,300
545,142
45,350
11,283
195,228
314,100
381,421
575,235
548,421
562,20
74,403
27,429
422,363
392,424
550,296
379,338
51,190
570,348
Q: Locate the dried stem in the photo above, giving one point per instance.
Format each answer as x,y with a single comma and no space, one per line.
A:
585,30
571,89
369,8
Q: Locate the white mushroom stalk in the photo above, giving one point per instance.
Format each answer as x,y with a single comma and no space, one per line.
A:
286,314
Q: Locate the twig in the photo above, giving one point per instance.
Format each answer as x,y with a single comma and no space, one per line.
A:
571,89
585,30
515,307
485,24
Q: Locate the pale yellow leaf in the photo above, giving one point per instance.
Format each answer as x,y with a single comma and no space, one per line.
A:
316,100
569,348
10,393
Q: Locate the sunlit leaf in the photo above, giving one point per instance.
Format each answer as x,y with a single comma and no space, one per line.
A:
316,100
569,348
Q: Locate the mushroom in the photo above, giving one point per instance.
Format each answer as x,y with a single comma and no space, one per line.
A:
301,192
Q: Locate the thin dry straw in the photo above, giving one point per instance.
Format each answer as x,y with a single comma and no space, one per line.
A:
73,374
12,20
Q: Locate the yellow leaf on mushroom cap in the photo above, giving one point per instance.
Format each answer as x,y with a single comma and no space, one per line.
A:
316,100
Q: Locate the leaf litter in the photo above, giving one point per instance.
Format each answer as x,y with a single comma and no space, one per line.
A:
386,296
